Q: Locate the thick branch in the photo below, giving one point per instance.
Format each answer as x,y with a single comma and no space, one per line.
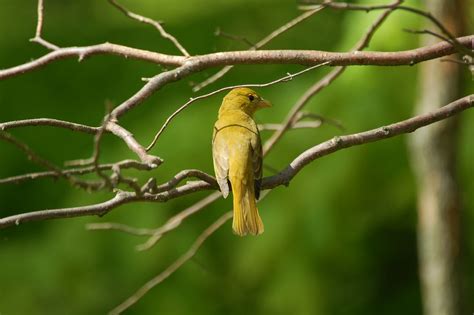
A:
283,178
304,57
86,51
342,142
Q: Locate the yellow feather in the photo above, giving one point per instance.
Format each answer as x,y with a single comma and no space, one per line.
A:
237,156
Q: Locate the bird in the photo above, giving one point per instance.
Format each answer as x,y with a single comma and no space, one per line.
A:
237,157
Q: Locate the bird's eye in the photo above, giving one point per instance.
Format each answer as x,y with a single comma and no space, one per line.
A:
251,97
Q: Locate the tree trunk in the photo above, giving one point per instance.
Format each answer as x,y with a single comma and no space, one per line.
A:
433,155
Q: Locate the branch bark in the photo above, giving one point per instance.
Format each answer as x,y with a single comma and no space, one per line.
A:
201,62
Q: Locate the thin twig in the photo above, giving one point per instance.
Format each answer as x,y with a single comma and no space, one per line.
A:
39,29
133,144
75,171
298,125
282,29
119,227
49,122
316,122
242,39
439,36
31,155
286,78
283,178
152,22
96,152
174,266
177,264
177,219
368,8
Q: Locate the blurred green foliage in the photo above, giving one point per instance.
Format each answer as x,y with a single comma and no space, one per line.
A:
339,240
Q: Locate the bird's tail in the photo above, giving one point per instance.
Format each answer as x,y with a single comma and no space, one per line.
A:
246,218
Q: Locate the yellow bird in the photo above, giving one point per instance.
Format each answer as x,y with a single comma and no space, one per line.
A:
237,155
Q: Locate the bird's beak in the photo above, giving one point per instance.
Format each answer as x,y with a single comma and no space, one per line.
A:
264,104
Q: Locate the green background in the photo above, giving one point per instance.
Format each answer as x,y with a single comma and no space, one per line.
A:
341,239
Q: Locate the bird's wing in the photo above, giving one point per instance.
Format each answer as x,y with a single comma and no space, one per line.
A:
257,163
220,156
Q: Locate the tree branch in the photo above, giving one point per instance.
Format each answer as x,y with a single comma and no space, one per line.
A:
282,29
49,122
151,22
326,80
198,63
286,78
283,178
39,29
76,171
174,266
87,51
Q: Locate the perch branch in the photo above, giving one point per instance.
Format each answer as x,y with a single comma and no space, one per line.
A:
283,178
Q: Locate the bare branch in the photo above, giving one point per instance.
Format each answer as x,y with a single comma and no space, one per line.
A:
87,51
283,178
385,132
97,209
49,122
326,80
76,171
151,22
439,36
310,57
286,78
156,234
172,183
39,28
174,266
119,227
125,135
96,152
176,220
350,6
198,63
298,123
242,39
30,154
282,29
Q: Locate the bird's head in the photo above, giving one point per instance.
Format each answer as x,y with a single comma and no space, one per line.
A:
244,99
